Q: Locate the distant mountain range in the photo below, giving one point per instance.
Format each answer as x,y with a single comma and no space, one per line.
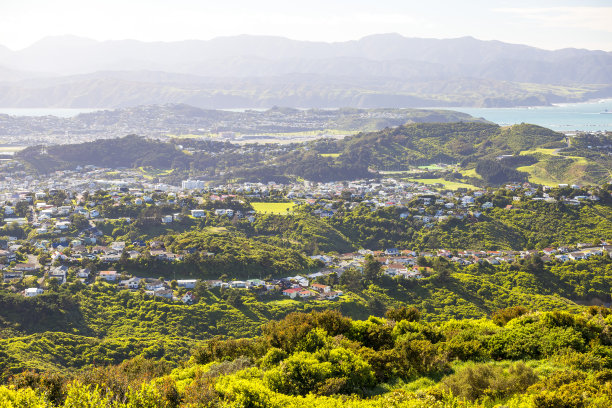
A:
385,70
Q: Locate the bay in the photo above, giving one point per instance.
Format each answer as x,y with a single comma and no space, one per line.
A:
568,117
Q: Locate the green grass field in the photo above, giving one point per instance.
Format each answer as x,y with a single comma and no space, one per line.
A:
471,173
538,173
553,152
334,155
273,208
539,150
216,230
431,167
450,185
151,173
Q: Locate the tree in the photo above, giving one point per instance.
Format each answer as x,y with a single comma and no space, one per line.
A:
44,258
422,261
124,258
411,314
372,269
53,284
79,221
351,278
21,208
443,268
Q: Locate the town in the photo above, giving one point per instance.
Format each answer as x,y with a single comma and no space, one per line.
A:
53,227
160,122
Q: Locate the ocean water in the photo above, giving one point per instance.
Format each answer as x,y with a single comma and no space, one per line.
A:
568,117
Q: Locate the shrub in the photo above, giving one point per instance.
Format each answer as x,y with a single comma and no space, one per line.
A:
489,380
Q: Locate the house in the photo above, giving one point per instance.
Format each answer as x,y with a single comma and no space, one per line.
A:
118,246
578,255
187,283
198,213
467,200
253,283
132,283
305,293
154,284
59,273
166,219
25,267
10,256
165,293
413,273
214,283
83,273
239,284
292,293
31,292
392,252
188,298
321,288
108,258
331,295
12,275
228,212
300,280
109,276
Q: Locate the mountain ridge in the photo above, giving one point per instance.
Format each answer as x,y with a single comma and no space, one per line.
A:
385,70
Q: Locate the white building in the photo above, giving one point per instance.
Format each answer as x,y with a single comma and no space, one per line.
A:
31,292
193,184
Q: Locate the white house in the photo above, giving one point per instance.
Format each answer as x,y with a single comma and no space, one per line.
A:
198,213
187,283
31,292
109,276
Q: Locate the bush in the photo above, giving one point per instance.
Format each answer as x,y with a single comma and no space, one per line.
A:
503,316
411,314
489,380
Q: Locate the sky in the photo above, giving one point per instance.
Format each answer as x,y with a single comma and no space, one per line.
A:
549,24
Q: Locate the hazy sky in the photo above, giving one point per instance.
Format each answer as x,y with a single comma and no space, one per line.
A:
550,24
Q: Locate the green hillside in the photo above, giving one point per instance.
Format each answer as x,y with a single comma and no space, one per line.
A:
494,154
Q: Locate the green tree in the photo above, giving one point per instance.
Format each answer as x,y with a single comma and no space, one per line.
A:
351,278
22,208
372,269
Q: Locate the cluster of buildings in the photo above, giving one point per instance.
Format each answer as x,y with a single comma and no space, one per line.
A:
50,223
160,121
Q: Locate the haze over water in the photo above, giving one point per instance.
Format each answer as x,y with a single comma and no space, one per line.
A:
568,117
